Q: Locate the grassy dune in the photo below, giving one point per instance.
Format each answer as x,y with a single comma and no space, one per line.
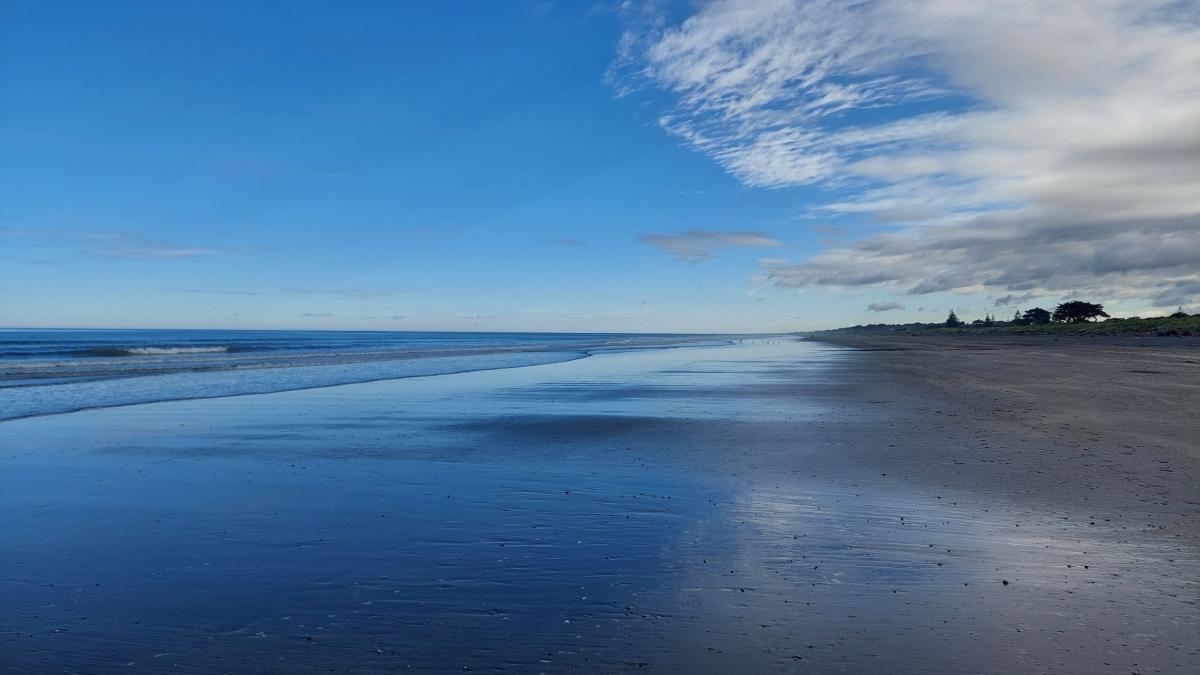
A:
1162,325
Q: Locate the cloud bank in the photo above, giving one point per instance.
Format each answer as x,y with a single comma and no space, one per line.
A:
1011,147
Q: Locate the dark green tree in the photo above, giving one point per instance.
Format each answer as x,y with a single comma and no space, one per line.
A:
1035,316
952,320
1078,311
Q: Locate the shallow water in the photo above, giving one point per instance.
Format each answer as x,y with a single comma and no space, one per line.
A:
648,512
45,372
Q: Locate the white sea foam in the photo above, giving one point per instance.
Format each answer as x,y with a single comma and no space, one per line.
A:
146,351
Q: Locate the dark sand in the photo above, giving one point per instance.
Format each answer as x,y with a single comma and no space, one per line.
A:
768,507
1106,424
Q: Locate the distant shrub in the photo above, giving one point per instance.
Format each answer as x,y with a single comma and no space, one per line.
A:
1078,311
1035,317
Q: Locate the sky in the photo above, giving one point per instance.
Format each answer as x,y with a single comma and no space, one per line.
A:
727,166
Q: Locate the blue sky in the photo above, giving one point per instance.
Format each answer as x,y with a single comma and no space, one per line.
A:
505,166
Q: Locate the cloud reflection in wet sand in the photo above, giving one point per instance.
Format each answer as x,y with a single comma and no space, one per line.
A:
872,580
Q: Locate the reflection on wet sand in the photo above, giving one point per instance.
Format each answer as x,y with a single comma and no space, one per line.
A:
676,512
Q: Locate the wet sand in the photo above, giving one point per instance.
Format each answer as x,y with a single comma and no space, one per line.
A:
1110,424
773,506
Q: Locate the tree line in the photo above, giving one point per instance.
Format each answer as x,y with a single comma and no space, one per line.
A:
1074,311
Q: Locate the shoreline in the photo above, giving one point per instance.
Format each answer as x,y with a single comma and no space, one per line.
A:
39,387
575,356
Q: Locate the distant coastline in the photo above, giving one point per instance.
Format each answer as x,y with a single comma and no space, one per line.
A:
1183,327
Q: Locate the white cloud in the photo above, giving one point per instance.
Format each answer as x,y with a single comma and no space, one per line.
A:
344,293
115,245
1023,146
152,252
879,306
1012,299
696,245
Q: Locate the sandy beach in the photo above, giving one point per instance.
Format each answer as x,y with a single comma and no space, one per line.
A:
1107,423
872,505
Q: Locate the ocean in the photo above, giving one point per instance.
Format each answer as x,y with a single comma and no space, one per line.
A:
54,371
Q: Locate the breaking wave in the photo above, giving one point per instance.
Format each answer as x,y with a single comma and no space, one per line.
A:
152,351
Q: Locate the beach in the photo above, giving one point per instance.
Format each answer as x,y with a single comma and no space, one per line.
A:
773,505
1101,422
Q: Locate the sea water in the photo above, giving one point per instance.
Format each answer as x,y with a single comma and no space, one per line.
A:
54,371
